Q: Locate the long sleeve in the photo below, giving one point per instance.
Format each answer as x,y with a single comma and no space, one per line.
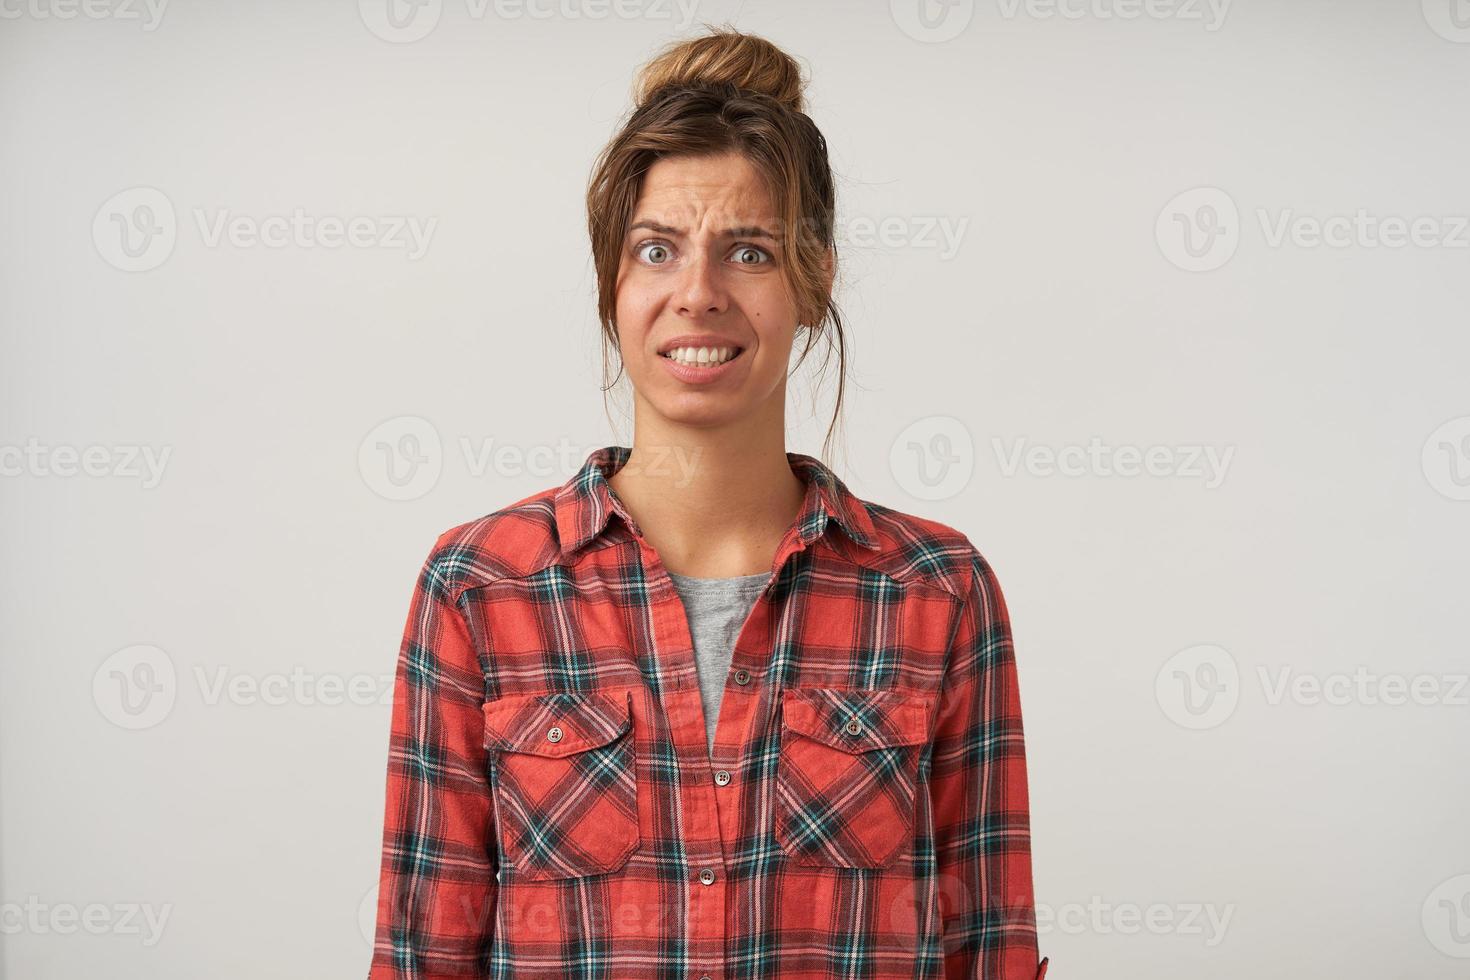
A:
437,887
978,789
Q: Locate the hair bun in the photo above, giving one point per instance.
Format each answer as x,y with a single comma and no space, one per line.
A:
725,55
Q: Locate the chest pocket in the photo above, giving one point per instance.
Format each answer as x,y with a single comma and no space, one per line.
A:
847,775
565,782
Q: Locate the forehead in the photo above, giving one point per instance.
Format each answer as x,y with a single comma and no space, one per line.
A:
688,187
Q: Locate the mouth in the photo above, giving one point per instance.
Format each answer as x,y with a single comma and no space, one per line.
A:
702,357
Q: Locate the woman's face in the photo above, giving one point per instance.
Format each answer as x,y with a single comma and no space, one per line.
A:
700,281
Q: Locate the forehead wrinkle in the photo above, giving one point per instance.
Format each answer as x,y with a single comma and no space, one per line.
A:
679,204
701,221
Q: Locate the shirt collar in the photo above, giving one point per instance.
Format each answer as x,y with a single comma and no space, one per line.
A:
586,501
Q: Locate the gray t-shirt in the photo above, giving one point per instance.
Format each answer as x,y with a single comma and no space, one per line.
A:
717,609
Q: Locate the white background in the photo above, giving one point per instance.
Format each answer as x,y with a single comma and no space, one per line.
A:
1191,817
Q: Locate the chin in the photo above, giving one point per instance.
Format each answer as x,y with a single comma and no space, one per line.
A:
701,411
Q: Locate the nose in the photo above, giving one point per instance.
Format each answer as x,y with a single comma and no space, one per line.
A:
700,289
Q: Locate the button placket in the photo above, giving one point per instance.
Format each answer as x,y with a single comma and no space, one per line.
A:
703,809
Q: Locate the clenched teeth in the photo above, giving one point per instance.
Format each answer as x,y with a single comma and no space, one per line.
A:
701,356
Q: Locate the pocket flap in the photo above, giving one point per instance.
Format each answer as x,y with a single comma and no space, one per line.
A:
557,724
856,721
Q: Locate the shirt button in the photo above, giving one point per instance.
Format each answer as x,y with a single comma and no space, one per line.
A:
854,727
554,735
742,676
722,777
707,876
705,977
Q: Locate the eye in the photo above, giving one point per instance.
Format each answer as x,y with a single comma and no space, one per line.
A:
654,253
750,255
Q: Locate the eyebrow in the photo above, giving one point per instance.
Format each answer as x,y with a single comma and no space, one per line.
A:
743,231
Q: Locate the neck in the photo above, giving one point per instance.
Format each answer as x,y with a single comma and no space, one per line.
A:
712,503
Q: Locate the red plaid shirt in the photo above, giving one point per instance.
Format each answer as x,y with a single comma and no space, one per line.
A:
553,809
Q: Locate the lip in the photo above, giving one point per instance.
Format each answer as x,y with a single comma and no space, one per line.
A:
695,374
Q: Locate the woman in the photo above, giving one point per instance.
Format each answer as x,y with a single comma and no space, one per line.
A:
700,711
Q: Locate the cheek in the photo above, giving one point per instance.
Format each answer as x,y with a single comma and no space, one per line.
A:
634,322
771,297
770,313
629,302
636,292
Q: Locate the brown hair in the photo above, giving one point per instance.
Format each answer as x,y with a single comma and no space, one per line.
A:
724,92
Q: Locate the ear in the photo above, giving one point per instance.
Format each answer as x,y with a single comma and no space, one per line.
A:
828,264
